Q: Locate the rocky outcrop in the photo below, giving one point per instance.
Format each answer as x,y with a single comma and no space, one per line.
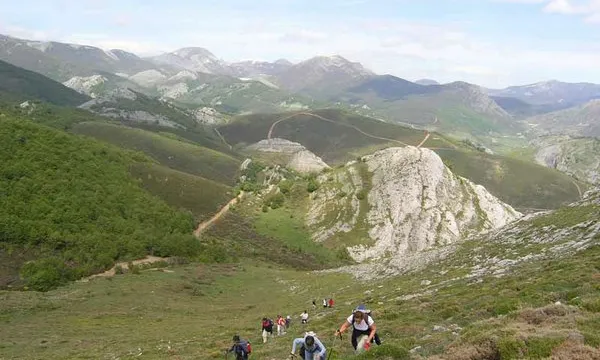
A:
301,159
306,162
210,116
415,205
277,145
86,85
578,157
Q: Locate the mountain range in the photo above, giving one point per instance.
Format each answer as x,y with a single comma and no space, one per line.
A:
467,220
195,78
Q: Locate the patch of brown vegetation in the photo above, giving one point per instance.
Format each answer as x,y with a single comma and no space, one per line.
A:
485,350
572,350
545,314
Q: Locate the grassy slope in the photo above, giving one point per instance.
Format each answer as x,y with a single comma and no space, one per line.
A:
178,155
181,190
336,142
519,183
72,201
497,316
23,85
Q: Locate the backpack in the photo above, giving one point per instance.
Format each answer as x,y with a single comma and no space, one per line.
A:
243,348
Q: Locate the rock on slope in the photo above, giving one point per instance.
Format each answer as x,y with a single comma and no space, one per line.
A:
415,203
301,159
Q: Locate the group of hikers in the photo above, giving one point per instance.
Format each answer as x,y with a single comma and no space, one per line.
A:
326,303
310,347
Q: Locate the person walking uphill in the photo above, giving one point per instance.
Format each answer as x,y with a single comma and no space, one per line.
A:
311,345
241,348
280,325
267,328
362,324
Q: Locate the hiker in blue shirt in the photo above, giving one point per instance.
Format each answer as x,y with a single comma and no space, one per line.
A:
313,347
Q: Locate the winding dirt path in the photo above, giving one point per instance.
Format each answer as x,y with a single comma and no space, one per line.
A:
125,265
206,224
270,133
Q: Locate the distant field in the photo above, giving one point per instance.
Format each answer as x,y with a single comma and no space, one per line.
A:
181,190
519,183
178,155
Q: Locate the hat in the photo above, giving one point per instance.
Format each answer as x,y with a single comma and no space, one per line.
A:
361,308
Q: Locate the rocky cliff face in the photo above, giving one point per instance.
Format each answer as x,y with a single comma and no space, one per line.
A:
578,157
402,201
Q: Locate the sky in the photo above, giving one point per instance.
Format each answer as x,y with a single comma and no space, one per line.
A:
493,43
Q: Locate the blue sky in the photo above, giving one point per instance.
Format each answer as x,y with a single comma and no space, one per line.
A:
493,43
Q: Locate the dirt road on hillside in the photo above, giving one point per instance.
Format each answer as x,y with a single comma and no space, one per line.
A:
270,133
206,224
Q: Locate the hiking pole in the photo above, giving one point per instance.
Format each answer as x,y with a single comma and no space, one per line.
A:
333,345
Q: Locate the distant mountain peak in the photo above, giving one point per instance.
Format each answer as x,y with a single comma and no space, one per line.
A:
188,52
427,82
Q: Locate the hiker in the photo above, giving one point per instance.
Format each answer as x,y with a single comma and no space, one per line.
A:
311,348
314,304
280,325
362,324
267,328
241,348
330,303
288,321
304,316
376,337
324,303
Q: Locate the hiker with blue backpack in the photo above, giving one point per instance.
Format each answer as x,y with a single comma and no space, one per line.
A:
362,325
311,348
241,348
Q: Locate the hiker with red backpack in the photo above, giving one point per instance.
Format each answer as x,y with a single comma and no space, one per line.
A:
362,325
241,348
267,328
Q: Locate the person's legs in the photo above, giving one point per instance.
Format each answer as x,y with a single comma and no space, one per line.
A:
264,336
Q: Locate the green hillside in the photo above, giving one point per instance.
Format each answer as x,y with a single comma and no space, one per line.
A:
543,307
522,184
342,136
72,204
19,84
181,190
175,154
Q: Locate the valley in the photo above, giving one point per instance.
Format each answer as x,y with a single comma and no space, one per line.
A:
152,207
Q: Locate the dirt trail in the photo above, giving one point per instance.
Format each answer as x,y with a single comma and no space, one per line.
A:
223,139
206,224
331,121
578,189
125,265
425,139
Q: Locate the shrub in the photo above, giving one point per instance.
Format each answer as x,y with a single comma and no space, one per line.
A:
361,194
312,185
46,274
285,186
